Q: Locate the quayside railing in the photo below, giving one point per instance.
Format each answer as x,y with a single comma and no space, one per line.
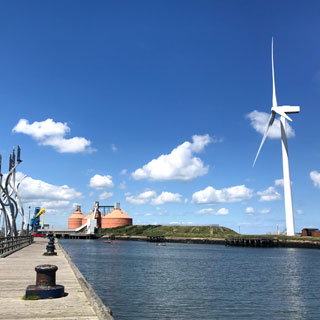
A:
11,244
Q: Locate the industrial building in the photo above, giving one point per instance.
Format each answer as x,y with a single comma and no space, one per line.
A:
96,219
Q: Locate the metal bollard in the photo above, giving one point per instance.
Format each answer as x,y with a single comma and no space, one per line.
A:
50,246
45,286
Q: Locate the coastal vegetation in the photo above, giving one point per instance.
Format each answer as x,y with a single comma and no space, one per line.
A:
170,231
192,232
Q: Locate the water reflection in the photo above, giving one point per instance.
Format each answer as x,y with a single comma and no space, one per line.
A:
138,280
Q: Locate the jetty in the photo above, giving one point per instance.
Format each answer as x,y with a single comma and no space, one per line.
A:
17,271
252,242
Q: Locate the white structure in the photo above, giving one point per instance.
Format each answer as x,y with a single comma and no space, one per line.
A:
282,111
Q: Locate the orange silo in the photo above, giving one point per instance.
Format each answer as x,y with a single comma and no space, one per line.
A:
75,221
98,216
116,218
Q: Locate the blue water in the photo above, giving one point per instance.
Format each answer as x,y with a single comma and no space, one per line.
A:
139,280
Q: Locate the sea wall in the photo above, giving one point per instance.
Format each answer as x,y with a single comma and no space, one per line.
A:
283,243
103,312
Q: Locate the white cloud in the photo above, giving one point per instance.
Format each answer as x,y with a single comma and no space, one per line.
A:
123,185
147,194
105,195
150,196
180,164
251,210
264,211
299,211
41,130
73,145
226,195
50,133
101,182
114,148
259,121
269,194
124,172
221,211
315,177
278,182
142,198
32,189
38,193
166,197
176,223
206,210
55,204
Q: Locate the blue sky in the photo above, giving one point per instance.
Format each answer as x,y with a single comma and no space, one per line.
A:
151,104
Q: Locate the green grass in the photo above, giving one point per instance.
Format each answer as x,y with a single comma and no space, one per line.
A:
280,237
171,231
30,298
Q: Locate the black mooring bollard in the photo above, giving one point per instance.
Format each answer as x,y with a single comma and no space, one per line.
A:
45,284
50,246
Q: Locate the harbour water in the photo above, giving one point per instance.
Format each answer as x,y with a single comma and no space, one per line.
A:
139,280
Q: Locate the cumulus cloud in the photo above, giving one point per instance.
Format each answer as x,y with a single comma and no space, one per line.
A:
142,198
180,164
221,211
101,182
105,195
150,196
269,194
251,210
278,182
123,185
259,121
315,177
38,193
166,197
226,195
51,133
32,189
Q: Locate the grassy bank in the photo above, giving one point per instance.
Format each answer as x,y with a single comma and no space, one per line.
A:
193,232
171,231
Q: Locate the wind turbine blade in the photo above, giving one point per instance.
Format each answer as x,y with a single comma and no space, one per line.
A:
281,113
271,119
274,98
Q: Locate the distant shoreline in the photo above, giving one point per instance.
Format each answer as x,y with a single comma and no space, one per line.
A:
282,243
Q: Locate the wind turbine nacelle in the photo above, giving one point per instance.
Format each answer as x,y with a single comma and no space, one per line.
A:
290,109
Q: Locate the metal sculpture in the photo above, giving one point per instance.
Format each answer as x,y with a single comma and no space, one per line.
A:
282,111
10,203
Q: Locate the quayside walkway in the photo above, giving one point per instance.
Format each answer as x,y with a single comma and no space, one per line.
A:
17,272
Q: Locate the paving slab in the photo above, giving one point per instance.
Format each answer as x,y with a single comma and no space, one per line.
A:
17,271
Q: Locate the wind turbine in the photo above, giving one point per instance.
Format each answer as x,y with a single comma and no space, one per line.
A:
282,111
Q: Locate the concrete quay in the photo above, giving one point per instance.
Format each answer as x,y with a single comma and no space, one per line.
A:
17,271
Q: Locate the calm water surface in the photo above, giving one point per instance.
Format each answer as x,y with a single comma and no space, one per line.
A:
139,280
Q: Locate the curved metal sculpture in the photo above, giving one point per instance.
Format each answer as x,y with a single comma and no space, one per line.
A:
10,203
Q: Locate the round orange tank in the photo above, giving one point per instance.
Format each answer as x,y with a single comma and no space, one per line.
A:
75,221
116,218
98,216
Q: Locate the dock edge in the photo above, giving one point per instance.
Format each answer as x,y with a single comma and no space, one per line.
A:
103,312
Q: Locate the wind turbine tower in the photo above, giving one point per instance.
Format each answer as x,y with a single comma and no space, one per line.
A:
282,112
